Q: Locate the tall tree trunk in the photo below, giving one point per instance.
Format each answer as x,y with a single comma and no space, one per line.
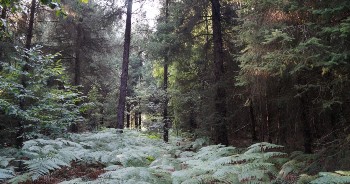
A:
2,29
268,119
220,96
20,127
304,114
305,124
127,115
140,119
77,64
136,120
252,120
31,25
125,68
165,84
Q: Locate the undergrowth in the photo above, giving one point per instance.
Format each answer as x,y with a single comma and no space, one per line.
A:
133,157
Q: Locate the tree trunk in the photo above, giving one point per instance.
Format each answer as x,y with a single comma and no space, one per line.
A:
125,68
305,123
252,120
140,120
2,29
136,120
220,96
268,119
77,64
31,25
165,84
127,115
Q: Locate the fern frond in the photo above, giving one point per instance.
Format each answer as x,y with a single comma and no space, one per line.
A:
262,147
183,175
6,174
204,178
329,178
42,166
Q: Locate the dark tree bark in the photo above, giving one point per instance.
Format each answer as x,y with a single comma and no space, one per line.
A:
127,115
77,64
125,68
2,29
252,120
268,119
305,124
165,84
140,120
220,126
29,37
304,114
136,120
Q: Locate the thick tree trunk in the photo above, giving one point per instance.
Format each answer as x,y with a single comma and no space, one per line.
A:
220,96
165,84
125,68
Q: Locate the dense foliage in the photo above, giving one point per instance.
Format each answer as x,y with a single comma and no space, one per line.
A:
269,77
134,157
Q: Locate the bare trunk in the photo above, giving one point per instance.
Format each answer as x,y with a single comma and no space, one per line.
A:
304,108
165,84
77,64
305,124
2,29
31,25
136,120
128,115
140,120
125,68
252,120
268,119
220,96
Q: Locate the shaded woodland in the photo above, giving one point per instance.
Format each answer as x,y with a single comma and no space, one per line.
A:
234,73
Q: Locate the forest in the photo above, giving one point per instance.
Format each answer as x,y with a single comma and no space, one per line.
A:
174,91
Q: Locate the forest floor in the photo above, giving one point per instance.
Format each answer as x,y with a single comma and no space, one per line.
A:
137,157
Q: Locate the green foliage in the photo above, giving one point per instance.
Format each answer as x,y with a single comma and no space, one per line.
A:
132,157
48,103
6,172
339,177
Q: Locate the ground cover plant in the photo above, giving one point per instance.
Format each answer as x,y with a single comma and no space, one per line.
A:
135,157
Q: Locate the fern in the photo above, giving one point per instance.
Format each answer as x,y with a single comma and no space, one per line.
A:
262,147
329,178
6,174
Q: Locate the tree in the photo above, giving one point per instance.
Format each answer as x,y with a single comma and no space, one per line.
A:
165,83
219,71
125,66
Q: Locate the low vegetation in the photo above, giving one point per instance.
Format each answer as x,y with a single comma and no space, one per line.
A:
136,157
